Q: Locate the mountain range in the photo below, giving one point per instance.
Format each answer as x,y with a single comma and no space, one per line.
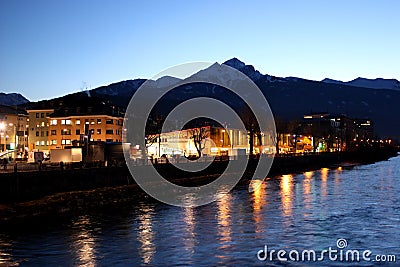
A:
378,83
290,98
12,99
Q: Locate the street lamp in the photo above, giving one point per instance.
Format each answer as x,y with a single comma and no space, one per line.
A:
2,127
15,139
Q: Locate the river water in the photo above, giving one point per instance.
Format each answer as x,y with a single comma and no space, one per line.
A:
306,211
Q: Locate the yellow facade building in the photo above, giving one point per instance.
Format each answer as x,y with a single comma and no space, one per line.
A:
39,129
75,130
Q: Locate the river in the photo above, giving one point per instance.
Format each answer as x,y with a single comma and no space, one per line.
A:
308,211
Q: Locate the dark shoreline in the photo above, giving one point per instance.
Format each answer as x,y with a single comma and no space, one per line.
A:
90,197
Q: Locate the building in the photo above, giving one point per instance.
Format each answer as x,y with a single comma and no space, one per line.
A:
13,129
77,129
216,141
39,129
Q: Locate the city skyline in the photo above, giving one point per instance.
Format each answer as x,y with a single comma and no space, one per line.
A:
52,49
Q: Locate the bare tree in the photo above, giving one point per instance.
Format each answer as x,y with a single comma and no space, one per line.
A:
149,140
199,135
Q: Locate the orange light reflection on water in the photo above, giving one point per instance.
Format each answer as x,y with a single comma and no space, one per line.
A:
287,194
259,202
224,217
324,179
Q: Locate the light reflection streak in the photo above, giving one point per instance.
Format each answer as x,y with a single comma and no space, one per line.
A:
190,221
258,203
224,218
5,257
324,179
287,194
84,242
146,235
307,183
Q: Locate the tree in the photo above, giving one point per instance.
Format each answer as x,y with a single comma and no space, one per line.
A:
199,135
280,126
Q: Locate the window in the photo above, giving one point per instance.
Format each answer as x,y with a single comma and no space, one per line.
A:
42,133
42,123
53,122
109,131
37,143
91,121
78,122
53,132
109,140
37,133
66,141
91,131
86,121
47,143
41,115
109,121
42,143
98,121
77,132
37,115
66,122
53,142
66,132
98,131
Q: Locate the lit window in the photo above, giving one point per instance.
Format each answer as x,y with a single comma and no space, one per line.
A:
66,141
42,143
54,142
66,122
37,143
98,121
53,122
42,123
78,122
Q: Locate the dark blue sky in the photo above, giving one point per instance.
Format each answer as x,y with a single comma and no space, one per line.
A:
51,48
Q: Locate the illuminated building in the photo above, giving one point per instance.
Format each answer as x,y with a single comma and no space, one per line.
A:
13,129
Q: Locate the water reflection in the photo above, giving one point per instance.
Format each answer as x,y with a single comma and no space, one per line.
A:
287,194
146,235
324,179
5,257
307,185
190,238
286,212
259,201
224,218
84,241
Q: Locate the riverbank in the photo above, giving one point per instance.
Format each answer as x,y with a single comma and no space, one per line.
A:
69,191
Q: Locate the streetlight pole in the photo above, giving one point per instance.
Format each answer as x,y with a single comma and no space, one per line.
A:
2,127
